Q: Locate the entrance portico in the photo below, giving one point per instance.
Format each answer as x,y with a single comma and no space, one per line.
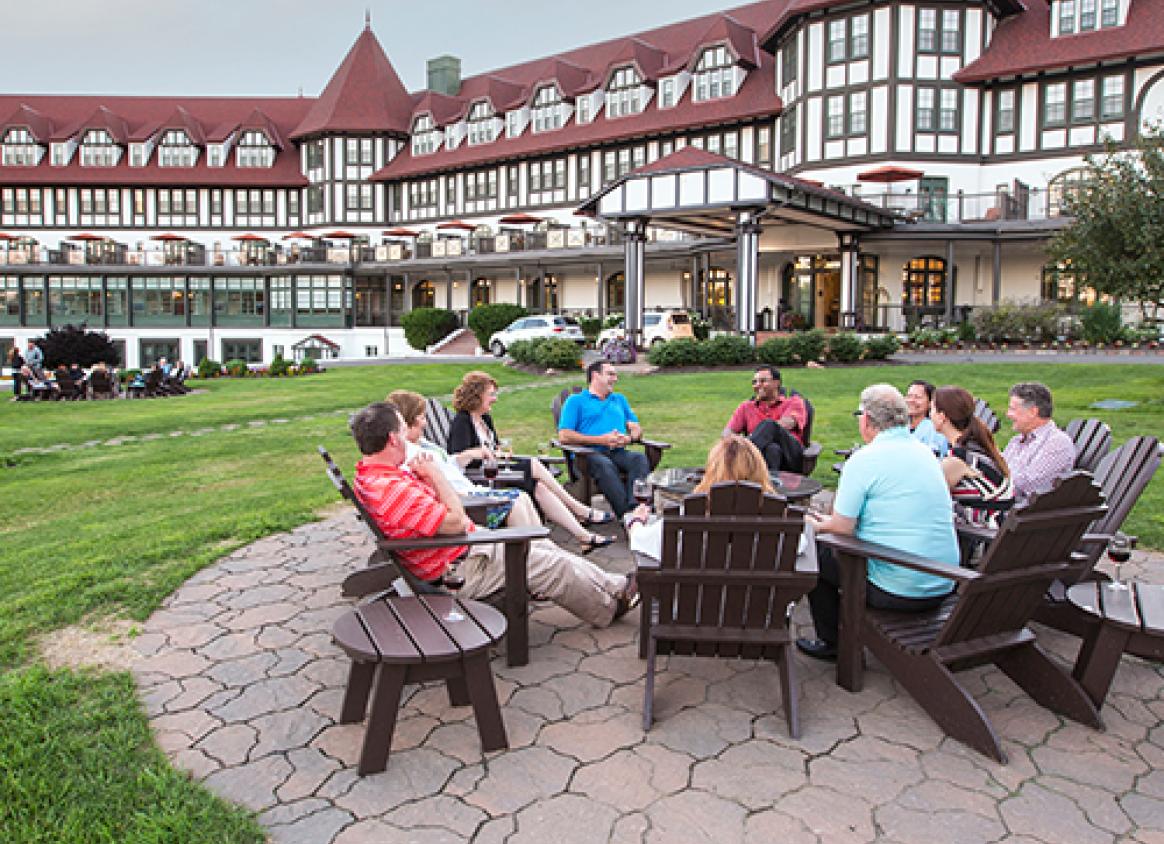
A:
702,193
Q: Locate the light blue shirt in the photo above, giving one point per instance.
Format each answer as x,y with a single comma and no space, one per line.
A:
587,414
895,490
926,433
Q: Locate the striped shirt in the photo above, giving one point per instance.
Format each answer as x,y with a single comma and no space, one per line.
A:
405,507
1038,459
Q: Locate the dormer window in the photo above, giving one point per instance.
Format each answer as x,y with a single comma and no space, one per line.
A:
1087,15
254,150
98,149
715,75
176,149
547,109
19,149
482,126
624,94
425,135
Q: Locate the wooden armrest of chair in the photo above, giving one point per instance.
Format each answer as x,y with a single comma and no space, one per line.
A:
1095,539
662,446
477,537
571,449
852,546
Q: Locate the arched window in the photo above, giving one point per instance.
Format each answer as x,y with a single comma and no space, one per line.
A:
616,292
923,282
541,295
479,292
624,94
1063,188
424,295
1063,283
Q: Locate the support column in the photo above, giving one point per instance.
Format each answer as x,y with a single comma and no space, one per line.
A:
517,291
448,290
634,267
407,293
693,287
600,286
850,293
747,272
949,282
996,275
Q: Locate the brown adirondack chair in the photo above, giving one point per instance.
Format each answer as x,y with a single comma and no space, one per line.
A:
437,419
724,584
982,411
385,570
581,485
1122,475
1092,438
984,620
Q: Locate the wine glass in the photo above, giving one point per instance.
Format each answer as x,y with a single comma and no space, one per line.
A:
1119,551
641,490
505,451
489,469
453,579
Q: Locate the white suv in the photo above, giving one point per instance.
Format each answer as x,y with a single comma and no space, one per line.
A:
548,326
658,327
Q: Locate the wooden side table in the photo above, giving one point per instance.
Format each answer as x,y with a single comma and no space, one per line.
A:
1128,619
399,640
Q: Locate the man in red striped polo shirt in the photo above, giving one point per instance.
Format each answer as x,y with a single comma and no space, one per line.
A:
414,500
774,422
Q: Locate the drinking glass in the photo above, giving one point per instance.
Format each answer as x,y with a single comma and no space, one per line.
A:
453,580
1119,551
641,489
505,451
489,469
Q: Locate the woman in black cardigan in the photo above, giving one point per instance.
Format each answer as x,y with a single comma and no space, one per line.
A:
472,435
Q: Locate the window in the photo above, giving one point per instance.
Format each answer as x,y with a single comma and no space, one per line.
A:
177,207
1086,15
788,131
176,149
423,197
1083,101
857,119
480,190
859,37
835,127
1109,13
837,41
584,174
359,197
932,38
249,351
624,94
159,301
358,152
1055,104
715,75
923,283
19,149
547,180
927,31
763,145
547,109
513,182
1113,97
74,299
1004,122
1062,189
789,61
667,93
20,201
100,206
616,164
1066,17
315,200
313,154
98,149
925,119
512,124
450,192
320,301
254,150
948,114
951,31
254,207
215,155
425,136
583,114
151,351
482,126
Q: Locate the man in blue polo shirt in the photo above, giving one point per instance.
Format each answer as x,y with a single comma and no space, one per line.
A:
892,492
602,419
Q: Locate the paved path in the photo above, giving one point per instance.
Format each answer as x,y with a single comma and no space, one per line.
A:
242,685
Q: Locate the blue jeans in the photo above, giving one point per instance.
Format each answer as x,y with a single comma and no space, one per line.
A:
605,469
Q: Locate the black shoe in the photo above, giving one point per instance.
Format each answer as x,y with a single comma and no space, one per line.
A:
817,649
630,597
595,542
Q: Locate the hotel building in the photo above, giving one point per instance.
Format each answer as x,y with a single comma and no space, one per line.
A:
783,164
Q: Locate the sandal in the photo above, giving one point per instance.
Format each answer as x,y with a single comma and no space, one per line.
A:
595,542
604,518
629,600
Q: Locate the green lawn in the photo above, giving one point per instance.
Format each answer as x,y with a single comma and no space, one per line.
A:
110,531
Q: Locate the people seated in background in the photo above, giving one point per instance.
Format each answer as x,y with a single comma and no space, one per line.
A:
38,387
413,499
34,359
101,380
163,366
602,419
472,437
1041,453
774,422
892,492
76,372
919,399
975,470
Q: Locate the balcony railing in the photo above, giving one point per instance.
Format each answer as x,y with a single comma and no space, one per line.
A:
1009,202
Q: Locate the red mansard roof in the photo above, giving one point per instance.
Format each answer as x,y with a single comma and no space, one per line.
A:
364,95
36,123
1022,44
740,39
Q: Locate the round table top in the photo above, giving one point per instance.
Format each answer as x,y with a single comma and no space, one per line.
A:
418,628
682,480
1131,604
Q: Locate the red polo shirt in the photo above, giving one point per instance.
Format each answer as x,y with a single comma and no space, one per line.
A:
405,507
751,413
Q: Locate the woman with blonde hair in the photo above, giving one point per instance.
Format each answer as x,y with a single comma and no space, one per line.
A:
472,437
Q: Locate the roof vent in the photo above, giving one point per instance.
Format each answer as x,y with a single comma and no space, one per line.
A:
444,75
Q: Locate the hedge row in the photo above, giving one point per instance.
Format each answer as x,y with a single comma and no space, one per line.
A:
547,353
799,348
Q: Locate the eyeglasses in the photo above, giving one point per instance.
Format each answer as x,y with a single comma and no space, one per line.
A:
859,411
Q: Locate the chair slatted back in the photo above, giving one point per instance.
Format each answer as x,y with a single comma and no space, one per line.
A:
101,383
1035,546
810,415
982,411
559,400
1092,438
437,420
728,563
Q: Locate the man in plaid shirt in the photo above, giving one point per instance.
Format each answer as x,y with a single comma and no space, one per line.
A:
1041,453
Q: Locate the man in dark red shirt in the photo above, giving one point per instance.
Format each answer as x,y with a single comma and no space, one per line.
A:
773,422
415,500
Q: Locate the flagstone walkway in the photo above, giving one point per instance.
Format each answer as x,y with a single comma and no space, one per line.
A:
243,685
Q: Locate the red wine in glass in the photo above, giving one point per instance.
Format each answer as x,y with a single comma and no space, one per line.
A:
453,580
489,469
1119,555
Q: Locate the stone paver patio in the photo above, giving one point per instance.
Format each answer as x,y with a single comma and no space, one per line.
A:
243,685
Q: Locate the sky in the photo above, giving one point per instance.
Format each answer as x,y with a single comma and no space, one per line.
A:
282,47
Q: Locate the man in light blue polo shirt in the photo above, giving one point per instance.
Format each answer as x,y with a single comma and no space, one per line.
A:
891,492
602,419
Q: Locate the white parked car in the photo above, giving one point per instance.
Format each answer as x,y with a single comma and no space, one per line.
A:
658,327
537,327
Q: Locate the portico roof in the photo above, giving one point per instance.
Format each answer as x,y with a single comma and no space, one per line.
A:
696,191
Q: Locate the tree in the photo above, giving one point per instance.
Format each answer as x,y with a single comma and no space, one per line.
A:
1116,241
75,344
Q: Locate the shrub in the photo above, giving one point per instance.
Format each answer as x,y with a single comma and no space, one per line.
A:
808,345
484,320
700,327
280,367
966,332
308,365
881,346
68,344
237,368
612,321
726,350
209,368
776,351
524,351
845,347
591,328
1014,322
558,354
681,352
1101,324
425,326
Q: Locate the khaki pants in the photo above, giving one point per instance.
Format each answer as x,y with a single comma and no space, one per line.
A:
571,582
